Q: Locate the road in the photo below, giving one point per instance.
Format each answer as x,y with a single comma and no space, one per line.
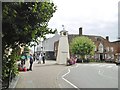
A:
90,75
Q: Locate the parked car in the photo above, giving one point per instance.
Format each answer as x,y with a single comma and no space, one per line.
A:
83,61
86,61
110,60
117,62
79,60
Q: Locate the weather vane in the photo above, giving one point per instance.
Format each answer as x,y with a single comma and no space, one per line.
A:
63,27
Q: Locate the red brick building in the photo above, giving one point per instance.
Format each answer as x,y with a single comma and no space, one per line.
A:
116,45
105,50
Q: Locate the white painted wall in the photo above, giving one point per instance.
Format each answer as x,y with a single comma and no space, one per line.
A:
63,50
48,44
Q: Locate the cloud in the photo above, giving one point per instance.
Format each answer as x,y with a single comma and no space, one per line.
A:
98,17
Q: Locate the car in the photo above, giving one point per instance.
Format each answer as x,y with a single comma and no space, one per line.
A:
117,62
86,61
79,60
83,61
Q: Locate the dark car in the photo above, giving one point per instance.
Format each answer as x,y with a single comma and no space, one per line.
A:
83,61
79,60
86,61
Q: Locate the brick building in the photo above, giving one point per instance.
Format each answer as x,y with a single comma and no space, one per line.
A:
116,45
104,50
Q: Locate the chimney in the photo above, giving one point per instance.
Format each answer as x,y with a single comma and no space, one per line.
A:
107,38
80,31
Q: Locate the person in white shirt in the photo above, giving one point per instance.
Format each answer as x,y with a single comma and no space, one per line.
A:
40,58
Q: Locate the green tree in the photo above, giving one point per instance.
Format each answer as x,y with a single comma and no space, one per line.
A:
22,23
26,49
82,46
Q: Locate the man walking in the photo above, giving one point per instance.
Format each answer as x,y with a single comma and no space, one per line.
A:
43,58
31,62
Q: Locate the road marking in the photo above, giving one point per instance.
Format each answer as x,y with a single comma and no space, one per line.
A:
109,66
102,65
66,73
69,81
94,64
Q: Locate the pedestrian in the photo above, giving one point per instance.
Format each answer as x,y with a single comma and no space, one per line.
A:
43,58
34,56
40,58
31,62
37,57
23,60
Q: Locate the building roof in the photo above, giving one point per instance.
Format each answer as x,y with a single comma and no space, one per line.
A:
96,39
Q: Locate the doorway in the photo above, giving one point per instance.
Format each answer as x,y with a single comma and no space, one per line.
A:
101,56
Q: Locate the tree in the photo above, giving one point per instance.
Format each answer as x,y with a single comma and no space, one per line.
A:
22,23
26,49
82,46
25,21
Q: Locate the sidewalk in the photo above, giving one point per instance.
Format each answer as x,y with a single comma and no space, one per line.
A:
15,80
42,76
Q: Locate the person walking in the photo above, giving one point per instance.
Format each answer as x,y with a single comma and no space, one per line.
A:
22,61
34,57
31,62
37,57
40,58
43,58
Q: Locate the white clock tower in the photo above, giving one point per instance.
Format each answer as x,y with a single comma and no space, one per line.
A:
63,47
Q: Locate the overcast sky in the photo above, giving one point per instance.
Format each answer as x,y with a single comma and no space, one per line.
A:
96,17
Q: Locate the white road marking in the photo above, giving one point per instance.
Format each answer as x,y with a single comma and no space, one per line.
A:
94,64
109,66
100,72
102,65
69,81
66,73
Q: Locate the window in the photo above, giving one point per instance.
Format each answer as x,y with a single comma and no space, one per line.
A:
101,48
111,49
107,49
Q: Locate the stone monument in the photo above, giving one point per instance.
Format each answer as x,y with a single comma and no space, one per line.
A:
63,47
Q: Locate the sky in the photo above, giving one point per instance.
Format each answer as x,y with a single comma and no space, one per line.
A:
96,17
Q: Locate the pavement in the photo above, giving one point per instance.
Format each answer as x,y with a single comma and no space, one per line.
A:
42,76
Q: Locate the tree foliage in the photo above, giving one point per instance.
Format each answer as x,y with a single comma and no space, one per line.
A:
22,23
9,63
82,46
26,49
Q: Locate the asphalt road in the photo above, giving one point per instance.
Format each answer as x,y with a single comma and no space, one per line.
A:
90,75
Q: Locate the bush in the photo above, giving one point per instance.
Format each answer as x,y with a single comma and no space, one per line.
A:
9,66
92,60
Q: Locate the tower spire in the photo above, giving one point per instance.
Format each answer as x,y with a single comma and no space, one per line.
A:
63,27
